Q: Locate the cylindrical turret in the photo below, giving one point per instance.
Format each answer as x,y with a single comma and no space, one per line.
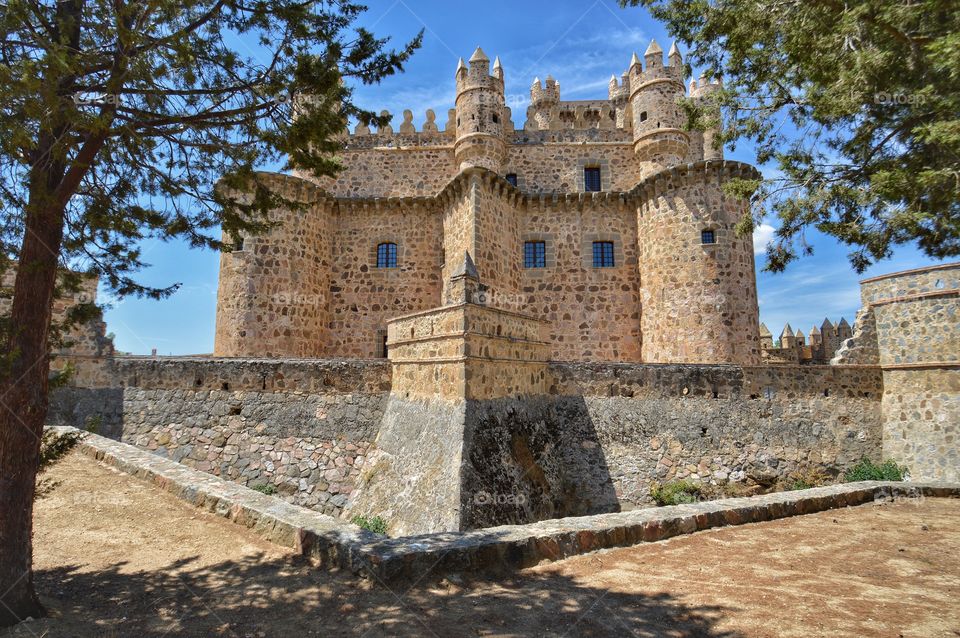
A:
658,120
543,100
619,96
272,297
481,115
702,90
697,279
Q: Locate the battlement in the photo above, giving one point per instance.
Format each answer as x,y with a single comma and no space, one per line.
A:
544,95
477,74
653,68
703,87
618,91
407,127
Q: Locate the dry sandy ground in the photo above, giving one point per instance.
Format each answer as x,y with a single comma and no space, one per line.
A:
117,557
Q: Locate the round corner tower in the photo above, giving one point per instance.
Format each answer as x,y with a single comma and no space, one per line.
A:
272,291
481,115
698,287
543,100
658,120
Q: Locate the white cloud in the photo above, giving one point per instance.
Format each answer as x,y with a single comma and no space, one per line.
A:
762,235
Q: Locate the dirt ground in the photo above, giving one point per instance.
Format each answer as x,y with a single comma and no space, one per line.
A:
117,557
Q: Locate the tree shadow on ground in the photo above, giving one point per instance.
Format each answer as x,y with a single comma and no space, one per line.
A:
262,597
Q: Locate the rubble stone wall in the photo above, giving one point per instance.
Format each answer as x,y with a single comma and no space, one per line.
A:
917,317
302,429
523,441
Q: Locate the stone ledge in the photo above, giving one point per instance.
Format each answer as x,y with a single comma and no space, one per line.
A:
335,543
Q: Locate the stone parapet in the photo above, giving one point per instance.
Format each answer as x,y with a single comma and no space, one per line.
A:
468,351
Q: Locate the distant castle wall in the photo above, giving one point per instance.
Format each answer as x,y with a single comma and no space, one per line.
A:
85,339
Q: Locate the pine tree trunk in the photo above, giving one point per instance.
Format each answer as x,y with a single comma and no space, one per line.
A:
23,402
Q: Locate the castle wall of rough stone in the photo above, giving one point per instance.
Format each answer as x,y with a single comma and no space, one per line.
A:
273,298
364,298
304,427
594,314
917,318
581,437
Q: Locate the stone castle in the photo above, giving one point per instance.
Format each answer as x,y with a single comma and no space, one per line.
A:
817,347
485,325
604,219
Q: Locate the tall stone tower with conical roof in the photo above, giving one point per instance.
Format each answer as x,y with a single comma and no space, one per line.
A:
659,138
481,112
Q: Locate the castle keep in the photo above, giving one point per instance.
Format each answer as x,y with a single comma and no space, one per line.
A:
603,219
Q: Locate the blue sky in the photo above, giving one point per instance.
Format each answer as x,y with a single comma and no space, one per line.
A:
581,45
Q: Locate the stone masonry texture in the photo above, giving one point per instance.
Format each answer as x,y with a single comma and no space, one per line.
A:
915,317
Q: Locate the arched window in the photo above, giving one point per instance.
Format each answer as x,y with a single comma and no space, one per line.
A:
387,255
512,178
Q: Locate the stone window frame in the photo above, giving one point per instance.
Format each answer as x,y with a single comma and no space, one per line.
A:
381,347
521,182
718,235
586,250
372,255
549,249
606,181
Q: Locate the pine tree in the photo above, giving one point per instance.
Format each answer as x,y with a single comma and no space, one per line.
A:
118,121
856,105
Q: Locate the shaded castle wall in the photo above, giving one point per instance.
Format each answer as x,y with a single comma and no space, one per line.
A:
699,300
917,317
304,427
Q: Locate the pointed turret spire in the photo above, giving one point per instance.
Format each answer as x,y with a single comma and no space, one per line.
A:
496,63
843,323
634,61
536,82
654,48
787,331
764,330
814,331
675,53
497,68
479,56
461,66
